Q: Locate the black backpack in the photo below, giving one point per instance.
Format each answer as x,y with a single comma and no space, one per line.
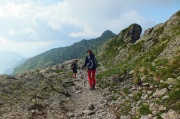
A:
92,62
74,65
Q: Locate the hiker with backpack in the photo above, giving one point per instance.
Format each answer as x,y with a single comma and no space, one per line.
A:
74,67
91,63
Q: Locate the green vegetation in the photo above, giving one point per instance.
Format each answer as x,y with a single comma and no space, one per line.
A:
144,110
59,55
175,93
137,96
58,71
160,30
126,90
163,85
169,69
147,66
143,65
174,98
124,108
137,47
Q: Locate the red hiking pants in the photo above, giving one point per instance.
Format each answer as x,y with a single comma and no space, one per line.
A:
91,77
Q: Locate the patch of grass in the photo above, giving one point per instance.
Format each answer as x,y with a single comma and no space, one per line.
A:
102,77
160,30
69,73
166,72
126,90
137,96
58,71
163,85
159,116
137,80
112,49
138,46
101,82
125,108
174,98
161,62
174,95
114,98
170,68
176,107
144,110
108,73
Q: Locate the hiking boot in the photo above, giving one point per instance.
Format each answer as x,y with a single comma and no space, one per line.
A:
93,87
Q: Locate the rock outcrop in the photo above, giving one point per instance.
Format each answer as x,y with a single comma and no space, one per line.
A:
130,34
143,77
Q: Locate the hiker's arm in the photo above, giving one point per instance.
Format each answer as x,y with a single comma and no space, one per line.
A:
86,61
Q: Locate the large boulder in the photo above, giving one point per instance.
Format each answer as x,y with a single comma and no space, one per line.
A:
130,34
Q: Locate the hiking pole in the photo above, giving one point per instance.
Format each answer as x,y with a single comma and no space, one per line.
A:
84,78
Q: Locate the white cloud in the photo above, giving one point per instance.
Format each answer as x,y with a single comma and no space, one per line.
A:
12,31
129,18
87,32
25,48
90,16
30,32
38,23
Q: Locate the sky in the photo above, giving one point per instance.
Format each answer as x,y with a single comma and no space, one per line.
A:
30,27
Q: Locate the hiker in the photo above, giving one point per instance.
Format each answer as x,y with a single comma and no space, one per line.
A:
91,64
74,67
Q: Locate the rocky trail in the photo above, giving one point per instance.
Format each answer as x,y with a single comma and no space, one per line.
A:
52,94
48,102
85,103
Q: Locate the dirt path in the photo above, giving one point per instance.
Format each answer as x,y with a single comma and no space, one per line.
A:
85,103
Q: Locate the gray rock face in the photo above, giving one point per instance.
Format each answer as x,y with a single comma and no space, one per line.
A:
172,24
171,114
134,33
172,48
162,33
160,93
130,34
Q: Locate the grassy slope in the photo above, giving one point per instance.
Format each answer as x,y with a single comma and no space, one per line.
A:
144,63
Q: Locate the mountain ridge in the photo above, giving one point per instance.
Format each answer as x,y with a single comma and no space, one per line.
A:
58,55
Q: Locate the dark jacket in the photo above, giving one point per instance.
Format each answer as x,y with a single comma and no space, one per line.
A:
87,61
74,65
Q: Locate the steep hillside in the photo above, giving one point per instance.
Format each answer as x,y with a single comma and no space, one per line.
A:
144,77
59,55
158,43
118,45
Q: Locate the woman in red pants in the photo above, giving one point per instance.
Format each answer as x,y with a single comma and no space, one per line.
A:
91,64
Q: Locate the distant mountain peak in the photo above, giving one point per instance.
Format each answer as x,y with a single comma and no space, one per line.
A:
107,33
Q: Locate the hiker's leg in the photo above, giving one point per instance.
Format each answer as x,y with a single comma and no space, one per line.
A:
89,78
74,73
93,77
